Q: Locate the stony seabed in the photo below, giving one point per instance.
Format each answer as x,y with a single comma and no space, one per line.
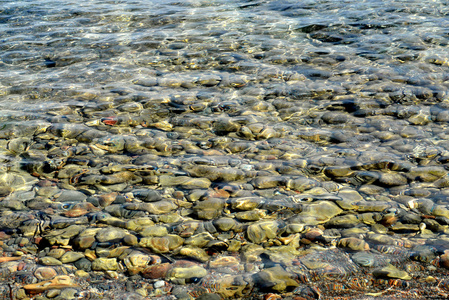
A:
288,158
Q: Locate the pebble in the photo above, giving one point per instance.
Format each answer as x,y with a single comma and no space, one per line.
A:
104,264
275,279
391,271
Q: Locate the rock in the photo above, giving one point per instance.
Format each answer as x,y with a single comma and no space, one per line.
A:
130,240
184,181
83,264
224,224
227,286
56,253
199,240
224,261
276,279
391,271
104,264
147,195
49,261
392,179
262,231
156,208
315,213
70,196
444,259
59,282
364,259
354,244
110,235
63,236
153,230
209,296
195,253
156,271
136,262
71,256
209,209
180,271
162,244
45,273
246,203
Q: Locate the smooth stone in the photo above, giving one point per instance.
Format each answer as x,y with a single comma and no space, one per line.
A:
147,195
83,264
195,253
224,224
381,239
69,293
364,259
251,252
162,244
345,221
138,223
84,242
276,279
59,282
156,208
110,235
136,262
246,203
45,273
199,240
427,174
154,230
184,181
105,264
130,240
224,261
63,236
209,296
231,286
70,196
187,272
391,271
49,261
392,179
318,212
71,256
156,271
252,215
53,293
354,244
209,209
262,231
56,253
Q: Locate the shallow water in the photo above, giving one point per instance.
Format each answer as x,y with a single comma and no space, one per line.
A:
318,110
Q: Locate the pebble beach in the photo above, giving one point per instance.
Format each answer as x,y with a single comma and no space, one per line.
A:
239,149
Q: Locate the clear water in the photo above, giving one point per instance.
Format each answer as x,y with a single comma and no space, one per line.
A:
336,83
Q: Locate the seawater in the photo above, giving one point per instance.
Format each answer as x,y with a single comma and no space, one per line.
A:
288,101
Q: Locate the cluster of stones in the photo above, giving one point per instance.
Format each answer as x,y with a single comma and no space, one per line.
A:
226,173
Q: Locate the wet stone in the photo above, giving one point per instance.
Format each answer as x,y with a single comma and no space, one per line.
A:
110,235
49,261
71,257
317,213
391,271
262,231
275,279
70,196
45,273
162,244
187,271
104,264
